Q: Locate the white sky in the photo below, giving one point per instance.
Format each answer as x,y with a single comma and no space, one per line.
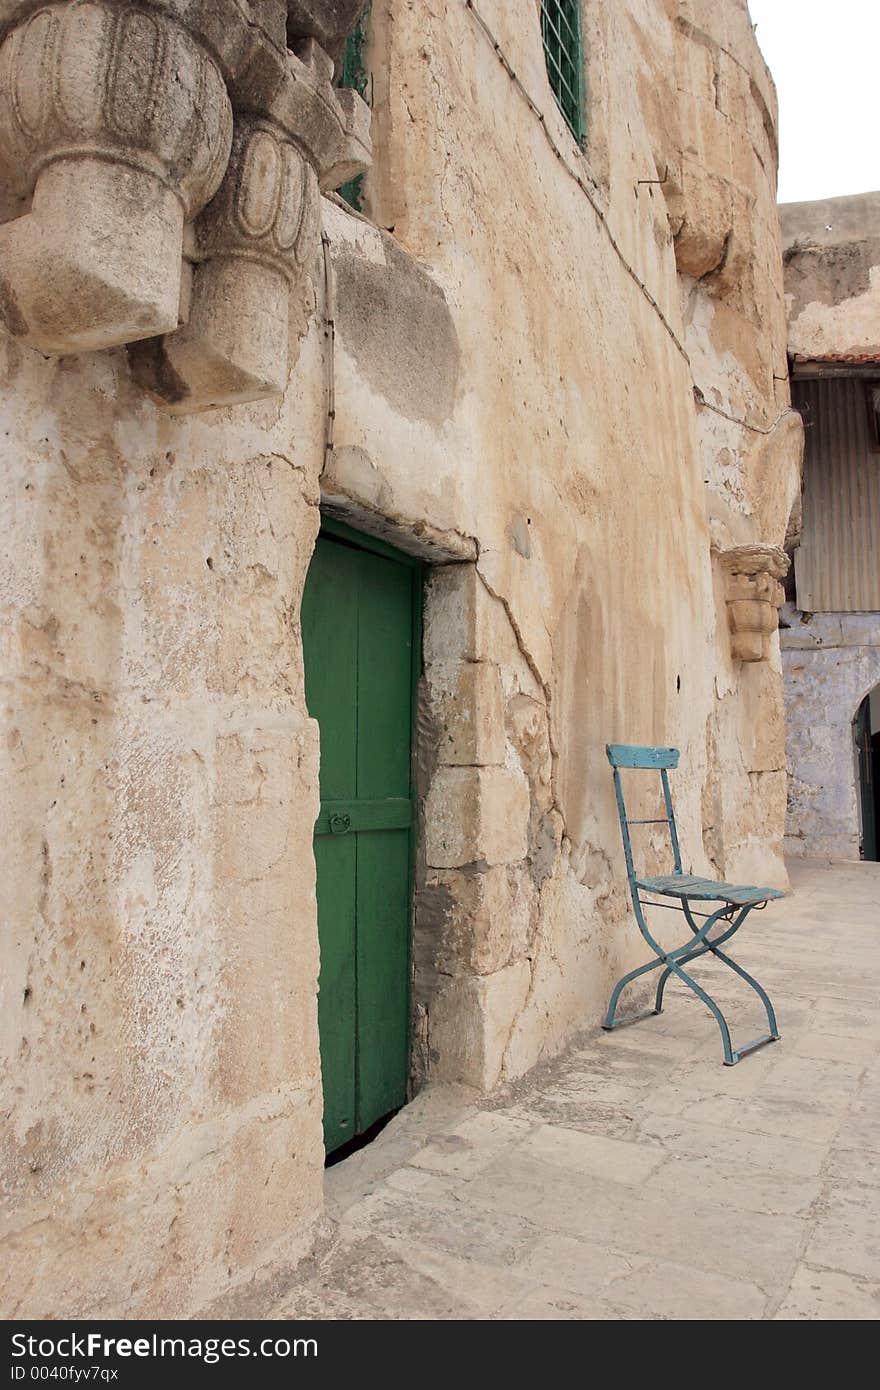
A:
825,59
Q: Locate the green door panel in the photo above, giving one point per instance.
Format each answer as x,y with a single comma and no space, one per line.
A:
330,633
385,636
360,623
335,861
383,905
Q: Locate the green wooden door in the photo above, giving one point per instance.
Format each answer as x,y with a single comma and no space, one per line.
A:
360,627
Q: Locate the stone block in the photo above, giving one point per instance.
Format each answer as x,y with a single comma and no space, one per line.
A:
625,1161
825,1295
478,814
233,350
706,221
97,261
479,1140
477,920
328,21
468,704
463,622
470,1023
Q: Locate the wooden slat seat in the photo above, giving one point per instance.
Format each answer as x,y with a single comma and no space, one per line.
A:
706,889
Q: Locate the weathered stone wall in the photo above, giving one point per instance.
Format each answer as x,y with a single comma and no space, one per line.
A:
831,662
511,403
832,276
161,1078
595,522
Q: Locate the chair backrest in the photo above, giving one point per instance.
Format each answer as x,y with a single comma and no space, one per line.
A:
625,755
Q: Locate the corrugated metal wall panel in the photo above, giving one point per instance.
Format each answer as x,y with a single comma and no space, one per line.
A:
837,567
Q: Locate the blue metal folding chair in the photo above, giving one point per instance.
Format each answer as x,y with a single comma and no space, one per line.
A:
737,902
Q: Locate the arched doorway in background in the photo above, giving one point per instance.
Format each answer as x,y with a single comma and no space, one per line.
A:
866,736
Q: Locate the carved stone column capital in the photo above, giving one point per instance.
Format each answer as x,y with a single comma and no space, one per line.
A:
753,595
118,124
296,134
267,205
116,120
251,243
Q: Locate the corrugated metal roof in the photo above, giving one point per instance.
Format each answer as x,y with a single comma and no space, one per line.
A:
837,567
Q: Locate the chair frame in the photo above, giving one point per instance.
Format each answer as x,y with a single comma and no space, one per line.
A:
673,962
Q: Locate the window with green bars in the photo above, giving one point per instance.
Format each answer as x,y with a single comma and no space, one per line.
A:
563,54
353,73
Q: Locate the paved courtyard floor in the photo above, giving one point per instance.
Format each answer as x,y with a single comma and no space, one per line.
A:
635,1176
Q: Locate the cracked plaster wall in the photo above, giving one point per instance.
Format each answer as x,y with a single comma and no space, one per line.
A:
161,1087
831,660
832,275
592,484
509,406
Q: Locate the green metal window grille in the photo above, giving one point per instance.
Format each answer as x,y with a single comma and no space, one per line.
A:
563,54
353,73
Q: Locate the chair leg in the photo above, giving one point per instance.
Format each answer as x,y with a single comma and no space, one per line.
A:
683,959
610,1020
664,958
661,986
699,947
759,990
731,1056
729,1059
673,963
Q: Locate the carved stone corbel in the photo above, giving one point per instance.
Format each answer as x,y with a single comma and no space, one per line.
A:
117,124
255,240
753,595
251,243
328,21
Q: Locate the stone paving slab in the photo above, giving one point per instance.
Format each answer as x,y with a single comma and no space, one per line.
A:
635,1177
